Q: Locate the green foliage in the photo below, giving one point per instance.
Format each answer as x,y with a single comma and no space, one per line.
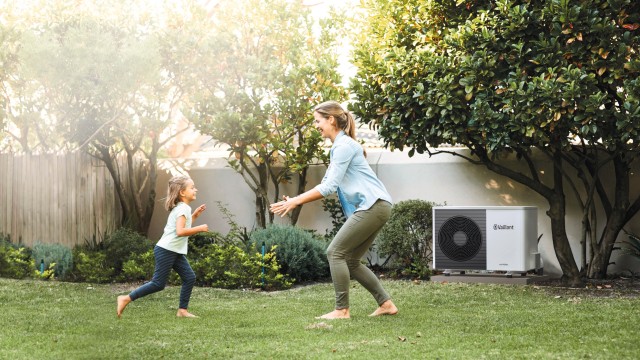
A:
256,96
57,254
504,78
302,256
91,266
48,273
229,267
121,245
15,262
200,240
407,237
138,267
333,207
631,246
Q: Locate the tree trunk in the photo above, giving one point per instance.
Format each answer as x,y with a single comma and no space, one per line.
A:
112,165
616,219
302,184
151,195
557,212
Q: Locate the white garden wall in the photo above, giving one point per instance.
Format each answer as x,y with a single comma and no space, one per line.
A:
442,179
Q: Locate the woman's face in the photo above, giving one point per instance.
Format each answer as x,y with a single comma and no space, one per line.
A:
326,126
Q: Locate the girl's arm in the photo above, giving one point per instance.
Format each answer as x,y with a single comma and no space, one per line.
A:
181,230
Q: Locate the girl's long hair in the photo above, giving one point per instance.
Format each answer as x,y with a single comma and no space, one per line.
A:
176,184
343,117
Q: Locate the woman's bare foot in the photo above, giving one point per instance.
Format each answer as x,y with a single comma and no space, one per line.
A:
387,308
123,301
185,313
336,314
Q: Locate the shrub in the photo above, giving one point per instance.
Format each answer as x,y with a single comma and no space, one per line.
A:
406,239
200,240
302,256
228,266
138,267
57,254
91,266
121,245
15,262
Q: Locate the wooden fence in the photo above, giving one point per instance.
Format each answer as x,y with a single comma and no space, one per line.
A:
64,199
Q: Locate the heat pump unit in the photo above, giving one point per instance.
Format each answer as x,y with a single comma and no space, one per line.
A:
494,238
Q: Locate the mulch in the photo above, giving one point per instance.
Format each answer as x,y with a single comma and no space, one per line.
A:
618,287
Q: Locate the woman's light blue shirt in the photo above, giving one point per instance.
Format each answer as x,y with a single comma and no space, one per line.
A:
350,175
170,239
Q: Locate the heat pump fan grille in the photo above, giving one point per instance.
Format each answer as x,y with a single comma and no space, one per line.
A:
449,238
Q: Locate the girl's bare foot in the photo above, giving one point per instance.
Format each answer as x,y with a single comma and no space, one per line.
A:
336,314
185,313
387,308
123,301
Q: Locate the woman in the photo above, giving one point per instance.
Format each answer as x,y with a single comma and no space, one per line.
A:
365,202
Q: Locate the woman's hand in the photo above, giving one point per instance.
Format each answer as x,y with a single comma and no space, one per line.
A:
283,207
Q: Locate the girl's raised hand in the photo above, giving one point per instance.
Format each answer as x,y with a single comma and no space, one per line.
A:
199,210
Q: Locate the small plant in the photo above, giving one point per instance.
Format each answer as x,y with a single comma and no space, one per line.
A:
237,235
406,239
631,246
15,262
56,254
47,274
302,256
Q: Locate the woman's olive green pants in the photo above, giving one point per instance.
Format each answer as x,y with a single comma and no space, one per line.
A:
351,243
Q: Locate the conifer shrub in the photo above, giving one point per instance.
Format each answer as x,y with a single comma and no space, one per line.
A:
57,254
302,256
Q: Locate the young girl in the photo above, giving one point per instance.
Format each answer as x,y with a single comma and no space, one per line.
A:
170,252
364,200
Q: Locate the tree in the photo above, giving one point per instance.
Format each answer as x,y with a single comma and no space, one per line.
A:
255,95
507,77
109,85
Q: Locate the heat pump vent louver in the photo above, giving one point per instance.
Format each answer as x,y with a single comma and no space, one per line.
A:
460,238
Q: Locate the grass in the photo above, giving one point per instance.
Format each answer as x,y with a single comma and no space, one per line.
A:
436,321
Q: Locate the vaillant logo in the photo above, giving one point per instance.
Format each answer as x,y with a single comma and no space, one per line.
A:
502,227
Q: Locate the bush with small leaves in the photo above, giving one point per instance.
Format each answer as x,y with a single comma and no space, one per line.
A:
122,244
229,267
91,266
406,239
138,267
15,262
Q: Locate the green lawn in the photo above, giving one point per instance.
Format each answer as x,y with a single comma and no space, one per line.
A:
55,320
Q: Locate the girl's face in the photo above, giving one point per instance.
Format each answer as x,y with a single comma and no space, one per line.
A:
188,193
326,126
